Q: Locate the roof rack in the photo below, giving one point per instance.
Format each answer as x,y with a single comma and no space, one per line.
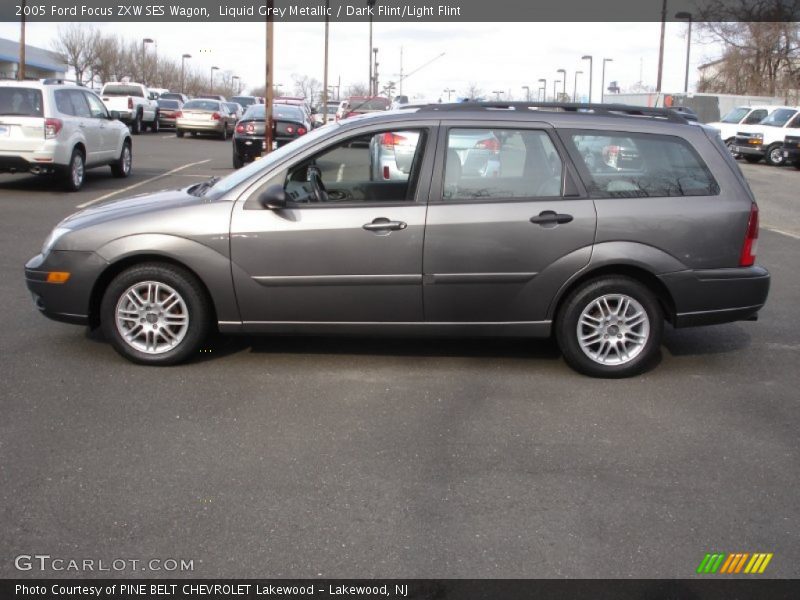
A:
615,110
61,81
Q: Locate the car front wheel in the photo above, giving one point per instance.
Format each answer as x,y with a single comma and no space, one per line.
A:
122,166
610,327
775,155
155,314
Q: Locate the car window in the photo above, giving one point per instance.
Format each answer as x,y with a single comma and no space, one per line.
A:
755,117
500,164
795,123
123,90
96,107
20,102
375,167
628,165
168,103
72,102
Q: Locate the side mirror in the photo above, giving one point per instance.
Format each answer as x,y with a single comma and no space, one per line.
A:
114,115
273,198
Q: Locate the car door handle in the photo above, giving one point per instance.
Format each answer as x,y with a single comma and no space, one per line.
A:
550,217
384,224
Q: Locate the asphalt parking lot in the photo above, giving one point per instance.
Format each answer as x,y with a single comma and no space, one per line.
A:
333,457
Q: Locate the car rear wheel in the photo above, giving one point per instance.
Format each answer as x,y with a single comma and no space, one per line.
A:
76,171
238,163
179,133
155,126
136,126
224,134
155,314
751,159
610,327
774,155
122,166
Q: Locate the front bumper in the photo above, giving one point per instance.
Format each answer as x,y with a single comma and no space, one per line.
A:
751,149
68,302
791,155
713,296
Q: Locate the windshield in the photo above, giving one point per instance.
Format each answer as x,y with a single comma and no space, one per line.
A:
201,105
257,167
245,101
168,104
736,115
369,104
233,106
779,117
279,111
123,90
20,102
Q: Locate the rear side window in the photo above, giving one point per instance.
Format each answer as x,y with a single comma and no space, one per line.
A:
20,102
72,102
123,90
633,165
755,117
497,164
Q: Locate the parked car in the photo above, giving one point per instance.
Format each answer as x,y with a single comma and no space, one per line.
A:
60,129
205,116
329,110
765,140
168,112
742,115
791,150
246,101
182,98
288,123
212,97
304,241
131,101
235,109
359,105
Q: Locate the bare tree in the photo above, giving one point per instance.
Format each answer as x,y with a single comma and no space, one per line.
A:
306,87
473,92
76,43
358,89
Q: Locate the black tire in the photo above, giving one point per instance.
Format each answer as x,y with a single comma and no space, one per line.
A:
774,155
136,126
797,164
751,158
155,125
123,165
75,173
179,133
224,134
190,291
193,133
582,299
238,163
729,143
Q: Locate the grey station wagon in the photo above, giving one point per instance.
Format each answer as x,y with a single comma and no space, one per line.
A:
592,223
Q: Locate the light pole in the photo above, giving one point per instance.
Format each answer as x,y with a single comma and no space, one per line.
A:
211,91
661,45
370,5
183,70
555,90
591,72
324,98
527,89
688,17
448,91
144,41
498,93
564,81
543,89
575,87
603,88
374,83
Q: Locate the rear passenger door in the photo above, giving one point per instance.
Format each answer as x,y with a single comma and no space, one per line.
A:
109,148
72,102
507,224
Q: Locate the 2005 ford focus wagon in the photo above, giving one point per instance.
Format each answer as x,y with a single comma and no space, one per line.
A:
592,223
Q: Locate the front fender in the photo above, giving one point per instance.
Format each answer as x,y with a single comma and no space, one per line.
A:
211,266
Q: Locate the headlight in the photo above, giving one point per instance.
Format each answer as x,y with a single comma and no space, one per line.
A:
53,238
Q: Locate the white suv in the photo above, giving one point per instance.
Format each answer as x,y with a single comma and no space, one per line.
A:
61,129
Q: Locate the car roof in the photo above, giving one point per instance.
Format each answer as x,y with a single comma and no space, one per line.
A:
40,85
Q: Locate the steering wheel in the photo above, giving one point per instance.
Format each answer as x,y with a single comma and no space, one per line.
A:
314,177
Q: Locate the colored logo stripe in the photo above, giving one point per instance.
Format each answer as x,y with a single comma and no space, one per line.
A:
734,562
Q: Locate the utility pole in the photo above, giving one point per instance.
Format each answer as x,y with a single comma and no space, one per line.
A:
400,83
21,67
661,45
325,70
268,93
370,5
374,89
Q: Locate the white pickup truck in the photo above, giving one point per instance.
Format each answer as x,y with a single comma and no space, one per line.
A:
765,140
132,102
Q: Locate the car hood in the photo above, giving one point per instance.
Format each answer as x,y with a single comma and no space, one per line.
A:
153,202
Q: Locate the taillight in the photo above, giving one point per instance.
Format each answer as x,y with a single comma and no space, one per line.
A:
302,131
492,144
240,128
178,114
750,247
386,172
130,102
52,127
215,116
390,140
289,129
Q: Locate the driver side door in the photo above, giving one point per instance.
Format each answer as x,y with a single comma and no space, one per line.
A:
347,249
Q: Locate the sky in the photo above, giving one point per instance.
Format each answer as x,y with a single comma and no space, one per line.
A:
495,56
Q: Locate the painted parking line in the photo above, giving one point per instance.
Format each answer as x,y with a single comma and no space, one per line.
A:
166,137
782,232
136,185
